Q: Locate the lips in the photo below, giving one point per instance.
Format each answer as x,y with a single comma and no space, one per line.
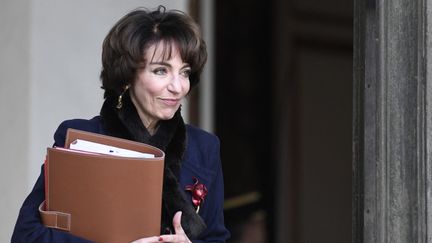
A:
170,102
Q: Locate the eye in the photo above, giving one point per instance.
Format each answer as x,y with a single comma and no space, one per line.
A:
160,71
186,72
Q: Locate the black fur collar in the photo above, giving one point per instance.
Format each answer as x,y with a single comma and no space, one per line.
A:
171,138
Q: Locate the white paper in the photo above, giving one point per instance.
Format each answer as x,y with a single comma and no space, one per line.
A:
93,147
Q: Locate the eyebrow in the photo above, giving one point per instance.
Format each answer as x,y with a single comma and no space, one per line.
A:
168,65
160,63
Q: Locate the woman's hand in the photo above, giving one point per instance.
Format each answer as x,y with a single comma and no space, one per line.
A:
179,236
147,240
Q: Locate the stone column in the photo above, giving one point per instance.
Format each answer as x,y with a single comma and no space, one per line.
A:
392,121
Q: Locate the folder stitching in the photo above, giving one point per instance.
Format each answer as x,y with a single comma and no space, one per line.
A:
60,217
55,219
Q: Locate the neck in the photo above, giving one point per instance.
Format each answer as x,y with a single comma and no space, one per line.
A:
150,125
151,129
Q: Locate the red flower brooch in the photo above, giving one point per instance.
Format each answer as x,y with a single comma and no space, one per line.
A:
198,191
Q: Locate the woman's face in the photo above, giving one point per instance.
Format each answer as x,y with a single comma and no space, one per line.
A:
160,86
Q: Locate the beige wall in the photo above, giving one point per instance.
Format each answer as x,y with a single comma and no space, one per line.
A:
49,68
14,109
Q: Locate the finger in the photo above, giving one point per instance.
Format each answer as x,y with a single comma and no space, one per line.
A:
173,238
177,223
152,239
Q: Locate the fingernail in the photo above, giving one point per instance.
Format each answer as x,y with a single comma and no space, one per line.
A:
160,238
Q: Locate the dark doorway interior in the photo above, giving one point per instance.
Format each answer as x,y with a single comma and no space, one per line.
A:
284,114
244,74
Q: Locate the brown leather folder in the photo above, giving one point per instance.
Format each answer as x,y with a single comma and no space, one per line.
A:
103,198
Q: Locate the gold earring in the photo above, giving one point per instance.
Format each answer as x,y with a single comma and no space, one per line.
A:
119,100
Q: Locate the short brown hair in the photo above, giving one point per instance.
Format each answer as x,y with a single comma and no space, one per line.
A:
124,47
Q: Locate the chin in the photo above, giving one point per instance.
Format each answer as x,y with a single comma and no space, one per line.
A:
165,113
167,116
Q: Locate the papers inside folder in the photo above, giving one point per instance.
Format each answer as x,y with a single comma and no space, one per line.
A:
99,148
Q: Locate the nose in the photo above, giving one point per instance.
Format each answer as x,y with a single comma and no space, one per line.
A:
175,86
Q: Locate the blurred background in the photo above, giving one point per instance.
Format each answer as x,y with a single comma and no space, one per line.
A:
277,90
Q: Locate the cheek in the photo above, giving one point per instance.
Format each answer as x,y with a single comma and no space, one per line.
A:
146,89
142,96
186,87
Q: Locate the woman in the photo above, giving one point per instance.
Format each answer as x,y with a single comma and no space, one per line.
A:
150,61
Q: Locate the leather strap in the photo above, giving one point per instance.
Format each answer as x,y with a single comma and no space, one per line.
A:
54,219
